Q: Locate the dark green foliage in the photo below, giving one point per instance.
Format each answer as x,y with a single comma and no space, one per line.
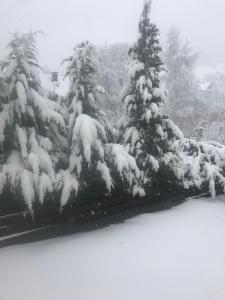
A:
148,135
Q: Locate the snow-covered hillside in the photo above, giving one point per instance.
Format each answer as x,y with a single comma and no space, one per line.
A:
172,255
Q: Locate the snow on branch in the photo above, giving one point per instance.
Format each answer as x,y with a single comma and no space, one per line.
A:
48,109
126,167
203,163
87,136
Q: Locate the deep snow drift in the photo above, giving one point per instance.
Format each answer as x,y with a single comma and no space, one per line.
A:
171,255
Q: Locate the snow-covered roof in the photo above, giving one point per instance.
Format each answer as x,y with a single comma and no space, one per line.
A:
204,86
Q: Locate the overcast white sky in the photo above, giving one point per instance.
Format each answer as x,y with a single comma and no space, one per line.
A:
67,22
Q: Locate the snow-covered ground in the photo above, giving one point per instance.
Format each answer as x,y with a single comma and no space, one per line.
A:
177,254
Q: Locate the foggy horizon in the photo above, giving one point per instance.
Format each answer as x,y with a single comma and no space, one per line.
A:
109,22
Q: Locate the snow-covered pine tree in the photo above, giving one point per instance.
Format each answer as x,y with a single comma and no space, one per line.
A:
83,91
30,128
152,138
90,164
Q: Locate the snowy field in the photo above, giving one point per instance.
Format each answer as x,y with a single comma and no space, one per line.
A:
177,254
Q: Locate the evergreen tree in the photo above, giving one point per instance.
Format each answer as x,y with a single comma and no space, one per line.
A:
152,138
84,92
113,77
90,135
183,106
3,93
30,127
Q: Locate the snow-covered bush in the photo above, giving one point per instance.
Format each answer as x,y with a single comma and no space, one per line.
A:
30,127
203,166
215,131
